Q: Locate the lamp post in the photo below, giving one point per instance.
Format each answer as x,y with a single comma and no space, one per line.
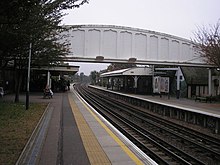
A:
28,77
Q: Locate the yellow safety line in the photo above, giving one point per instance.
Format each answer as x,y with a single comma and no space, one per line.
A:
120,143
93,149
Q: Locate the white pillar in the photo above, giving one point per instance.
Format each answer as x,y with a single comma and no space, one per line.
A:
178,79
48,78
178,83
135,81
210,82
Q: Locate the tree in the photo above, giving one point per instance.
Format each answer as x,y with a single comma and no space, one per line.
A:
93,77
33,21
207,41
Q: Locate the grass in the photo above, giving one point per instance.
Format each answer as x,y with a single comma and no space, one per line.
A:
16,126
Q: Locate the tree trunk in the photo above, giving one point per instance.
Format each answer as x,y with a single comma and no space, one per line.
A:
18,82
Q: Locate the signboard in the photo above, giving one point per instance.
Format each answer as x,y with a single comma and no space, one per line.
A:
160,84
156,84
164,84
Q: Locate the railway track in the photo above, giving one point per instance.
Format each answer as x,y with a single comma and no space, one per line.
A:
164,141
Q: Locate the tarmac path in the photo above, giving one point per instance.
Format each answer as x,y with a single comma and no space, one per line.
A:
61,142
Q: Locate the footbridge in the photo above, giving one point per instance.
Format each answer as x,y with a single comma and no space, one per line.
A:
117,44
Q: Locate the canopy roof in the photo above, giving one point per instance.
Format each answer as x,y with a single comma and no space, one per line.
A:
56,70
138,71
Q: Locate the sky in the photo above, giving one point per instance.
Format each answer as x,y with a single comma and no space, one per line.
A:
175,17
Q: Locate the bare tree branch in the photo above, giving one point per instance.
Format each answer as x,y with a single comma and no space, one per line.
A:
207,41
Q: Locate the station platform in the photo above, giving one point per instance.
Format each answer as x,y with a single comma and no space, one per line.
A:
211,109
71,132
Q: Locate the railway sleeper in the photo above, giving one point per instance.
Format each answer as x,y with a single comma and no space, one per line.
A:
161,154
147,145
155,150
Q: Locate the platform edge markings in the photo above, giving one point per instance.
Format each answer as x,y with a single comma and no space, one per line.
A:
94,151
71,148
122,145
133,148
191,109
133,157
141,155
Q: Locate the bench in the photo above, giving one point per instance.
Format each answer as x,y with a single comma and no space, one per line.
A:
204,98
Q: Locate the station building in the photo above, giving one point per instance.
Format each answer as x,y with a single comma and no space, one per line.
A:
197,81
186,82
135,80
54,76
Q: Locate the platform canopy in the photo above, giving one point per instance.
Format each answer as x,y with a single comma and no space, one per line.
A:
56,70
138,71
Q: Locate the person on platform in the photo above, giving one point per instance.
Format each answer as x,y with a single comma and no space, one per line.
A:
48,92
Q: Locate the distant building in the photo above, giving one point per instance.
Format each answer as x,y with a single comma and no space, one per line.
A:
197,81
133,80
180,81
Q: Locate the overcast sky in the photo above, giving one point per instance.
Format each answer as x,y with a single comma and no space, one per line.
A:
174,17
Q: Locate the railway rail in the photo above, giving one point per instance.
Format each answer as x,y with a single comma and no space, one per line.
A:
164,141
